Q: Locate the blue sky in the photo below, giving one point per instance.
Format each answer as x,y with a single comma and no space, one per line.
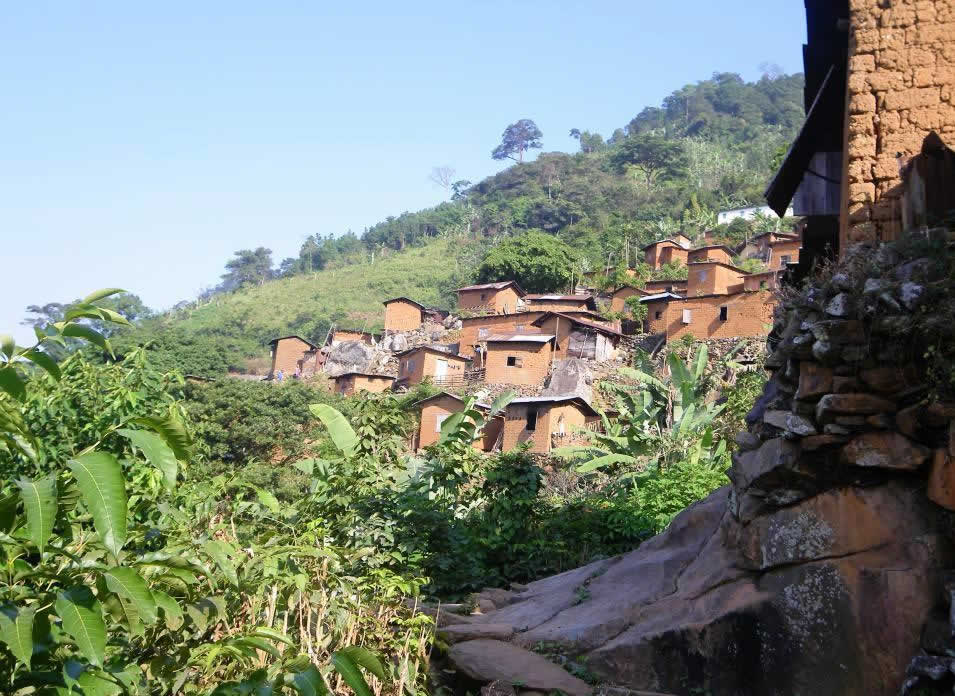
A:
143,143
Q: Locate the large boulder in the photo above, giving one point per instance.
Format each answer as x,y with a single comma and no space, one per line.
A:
571,376
350,356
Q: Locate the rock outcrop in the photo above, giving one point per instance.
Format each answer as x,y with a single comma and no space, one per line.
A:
822,568
354,356
570,376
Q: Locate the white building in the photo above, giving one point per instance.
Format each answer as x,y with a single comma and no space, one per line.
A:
725,217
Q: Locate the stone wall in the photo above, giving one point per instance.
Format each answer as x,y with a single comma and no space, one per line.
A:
901,87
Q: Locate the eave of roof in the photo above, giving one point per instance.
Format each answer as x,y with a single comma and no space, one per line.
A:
303,340
718,263
829,99
519,338
441,395
554,400
588,324
364,374
405,299
431,349
494,286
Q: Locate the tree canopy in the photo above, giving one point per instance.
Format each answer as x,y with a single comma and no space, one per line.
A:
517,139
539,262
655,157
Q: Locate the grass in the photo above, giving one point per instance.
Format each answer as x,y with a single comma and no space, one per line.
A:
307,305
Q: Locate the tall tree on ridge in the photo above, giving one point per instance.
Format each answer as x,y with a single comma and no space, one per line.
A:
517,139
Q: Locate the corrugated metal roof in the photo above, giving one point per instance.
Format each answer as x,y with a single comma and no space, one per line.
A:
660,296
554,400
580,298
519,338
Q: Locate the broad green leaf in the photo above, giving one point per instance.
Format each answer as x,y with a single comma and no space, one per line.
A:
45,361
309,682
100,478
39,502
259,644
128,584
306,466
12,383
338,428
173,433
450,426
220,552
82,617
350,674
271,633
171,611
365,658
85,332
268,500
501,401
98,683
100,294
159,454
16,631
8,512
605,460
7,345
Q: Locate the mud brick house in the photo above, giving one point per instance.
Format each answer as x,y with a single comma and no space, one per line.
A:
714,278
666,251
880,104
353,382
475,330
546,422
402,314
767,280
618,300
341,335
505,297
710,252
657,286
578,338
290,354
561,303
782,252
518,358
436,409
445,369
712,316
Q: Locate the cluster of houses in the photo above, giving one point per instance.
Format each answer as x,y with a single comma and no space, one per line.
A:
506,336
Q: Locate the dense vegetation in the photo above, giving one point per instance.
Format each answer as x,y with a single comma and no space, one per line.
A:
163,537
710,145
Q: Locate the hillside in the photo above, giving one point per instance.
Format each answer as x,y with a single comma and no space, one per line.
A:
717,141
221,333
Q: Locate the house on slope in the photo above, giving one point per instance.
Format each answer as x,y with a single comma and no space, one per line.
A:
714,278
436,409
403,314
579,338
353,382
547,422
560,303
664,251
292,355
475,331
505,297
341,335
741,313
710,252
518,358
618,300
442,367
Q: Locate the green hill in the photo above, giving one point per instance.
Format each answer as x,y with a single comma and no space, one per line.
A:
227,330
720,138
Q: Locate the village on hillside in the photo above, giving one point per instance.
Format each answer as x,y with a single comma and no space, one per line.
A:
548,348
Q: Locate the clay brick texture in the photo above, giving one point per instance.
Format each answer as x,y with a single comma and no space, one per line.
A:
711,253
286,354
556,424
619,298
474,330
713,278
726,316
426,362
352,384
901,88
783,252
513,362
665,252
489,300
562,305
402,315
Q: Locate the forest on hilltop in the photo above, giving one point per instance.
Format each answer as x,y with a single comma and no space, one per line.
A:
710,145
